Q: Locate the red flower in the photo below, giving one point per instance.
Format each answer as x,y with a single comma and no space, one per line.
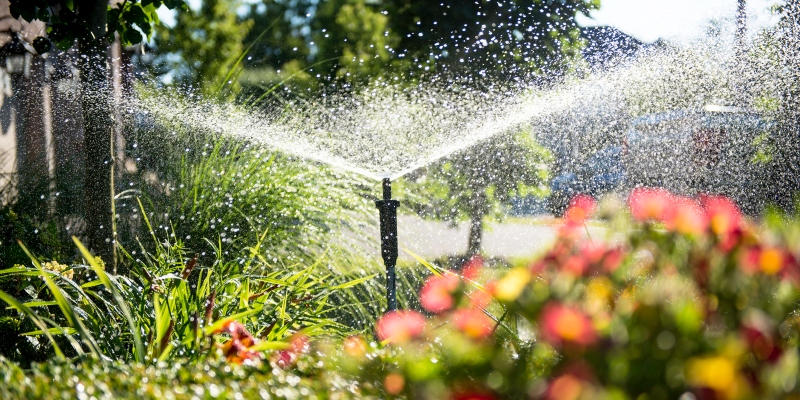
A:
613,259
592,251
575,265
650,204
472,396
723,214
561,324
758,331
298,344
471,269
237,349
580,208
436,294
400,326
473,323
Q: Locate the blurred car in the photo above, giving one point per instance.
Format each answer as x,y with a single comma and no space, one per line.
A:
602,173
715,149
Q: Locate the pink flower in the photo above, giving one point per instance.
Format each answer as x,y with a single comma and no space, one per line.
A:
400,326
436,294
687,218
562,324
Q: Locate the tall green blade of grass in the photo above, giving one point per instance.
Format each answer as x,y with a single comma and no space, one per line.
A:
121,302
66,308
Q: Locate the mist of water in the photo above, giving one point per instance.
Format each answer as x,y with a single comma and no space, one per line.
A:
390,130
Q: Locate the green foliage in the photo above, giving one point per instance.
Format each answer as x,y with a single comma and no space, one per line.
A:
202,49
358,41
67,20
203,189
170,304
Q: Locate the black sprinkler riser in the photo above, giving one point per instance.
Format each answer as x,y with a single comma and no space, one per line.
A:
388,221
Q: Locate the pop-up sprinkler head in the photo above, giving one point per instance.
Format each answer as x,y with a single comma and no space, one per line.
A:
388,219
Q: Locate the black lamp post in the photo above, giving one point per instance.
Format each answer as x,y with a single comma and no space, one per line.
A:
388,220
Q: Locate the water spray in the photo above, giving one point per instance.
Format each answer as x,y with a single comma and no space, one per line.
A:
388,220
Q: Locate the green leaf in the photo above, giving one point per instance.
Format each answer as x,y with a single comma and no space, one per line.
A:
268,346
59,330
235,317
353,282
422,261
40,303
132,36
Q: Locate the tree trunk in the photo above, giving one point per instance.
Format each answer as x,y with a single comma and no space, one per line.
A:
32,160
98,130
477,209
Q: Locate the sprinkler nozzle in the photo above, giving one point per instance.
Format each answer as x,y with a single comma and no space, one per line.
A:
388,221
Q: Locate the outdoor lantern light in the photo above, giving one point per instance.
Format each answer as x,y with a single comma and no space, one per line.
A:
14,56
388,220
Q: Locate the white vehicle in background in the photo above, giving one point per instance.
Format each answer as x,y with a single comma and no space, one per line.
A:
718,149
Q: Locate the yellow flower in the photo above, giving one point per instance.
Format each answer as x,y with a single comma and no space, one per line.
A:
510,286
717,373
60,269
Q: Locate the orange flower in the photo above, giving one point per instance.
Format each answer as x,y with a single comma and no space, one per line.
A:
480,298
687,217
474,323
400,326
650,204
394,383
436,294
574,383
561,324
580,208
767,260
